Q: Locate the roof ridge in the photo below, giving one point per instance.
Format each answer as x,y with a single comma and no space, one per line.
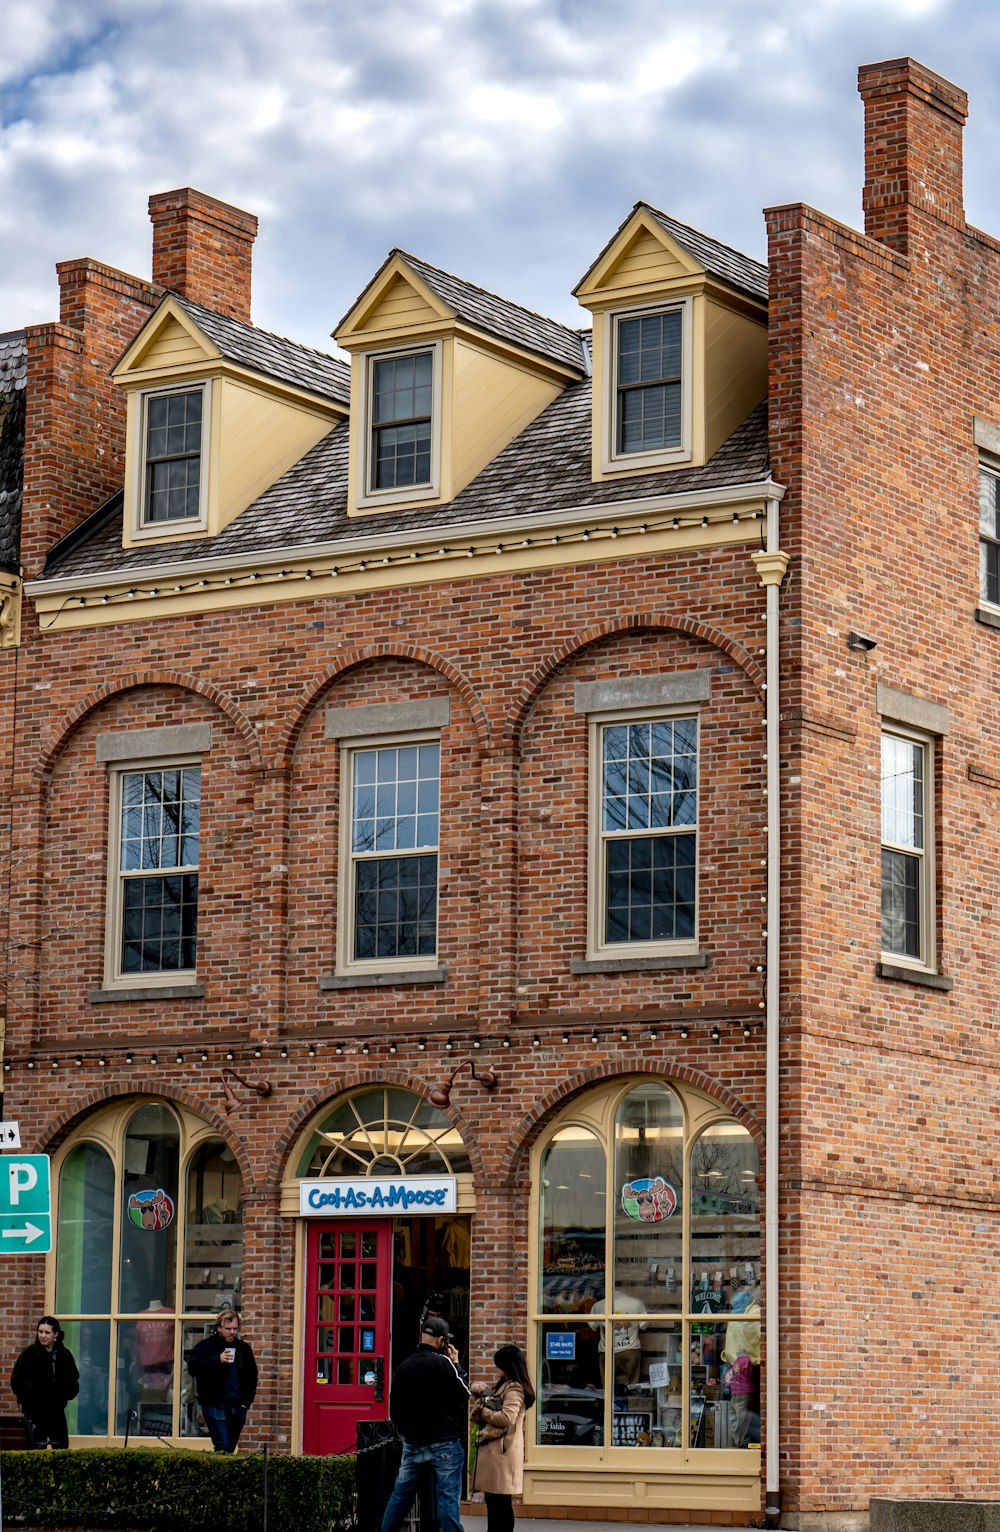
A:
486,291
719,243
255,329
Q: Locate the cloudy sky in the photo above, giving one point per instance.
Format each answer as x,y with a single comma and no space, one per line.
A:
502,139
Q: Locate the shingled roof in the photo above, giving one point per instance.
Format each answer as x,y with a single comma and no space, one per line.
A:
486,311
13,377
546,468
271,355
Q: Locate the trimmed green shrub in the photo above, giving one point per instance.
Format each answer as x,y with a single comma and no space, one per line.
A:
172,1491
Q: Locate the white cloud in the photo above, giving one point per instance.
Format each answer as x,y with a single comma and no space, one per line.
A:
505,139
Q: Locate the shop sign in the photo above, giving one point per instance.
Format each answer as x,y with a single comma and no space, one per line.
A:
373,1197
648,1200
560,1345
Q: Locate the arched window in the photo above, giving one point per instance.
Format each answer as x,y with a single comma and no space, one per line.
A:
647,1318
384,1132
149,1246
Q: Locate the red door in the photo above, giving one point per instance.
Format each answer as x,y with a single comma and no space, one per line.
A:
348,1309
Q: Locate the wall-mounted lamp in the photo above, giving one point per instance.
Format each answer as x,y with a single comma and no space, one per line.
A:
441,1094
861,642
260,1088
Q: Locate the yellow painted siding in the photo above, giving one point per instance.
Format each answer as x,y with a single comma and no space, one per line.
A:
400,307
492,402
171,346
259,438
735,371
645,260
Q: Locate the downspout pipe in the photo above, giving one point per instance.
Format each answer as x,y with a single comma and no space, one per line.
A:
771,566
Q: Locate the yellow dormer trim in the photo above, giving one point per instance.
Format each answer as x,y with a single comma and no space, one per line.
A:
253,428
723,348
395,301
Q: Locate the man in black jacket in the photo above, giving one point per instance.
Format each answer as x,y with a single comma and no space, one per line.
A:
429,1406
225,1373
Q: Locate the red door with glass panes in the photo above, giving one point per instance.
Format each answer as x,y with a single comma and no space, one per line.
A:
348,1310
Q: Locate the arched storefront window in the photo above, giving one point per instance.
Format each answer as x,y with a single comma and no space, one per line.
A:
384,1132
647,1282
149,1245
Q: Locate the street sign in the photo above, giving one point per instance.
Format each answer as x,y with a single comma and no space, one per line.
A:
25,1204
10,1135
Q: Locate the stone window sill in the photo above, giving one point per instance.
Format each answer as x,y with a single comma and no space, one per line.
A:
150,992
639,964
988,617
388,980
914,976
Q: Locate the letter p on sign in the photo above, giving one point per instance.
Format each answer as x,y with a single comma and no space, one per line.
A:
23,1178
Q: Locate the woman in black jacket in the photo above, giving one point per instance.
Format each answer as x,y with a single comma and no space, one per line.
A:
225,1374
44,1380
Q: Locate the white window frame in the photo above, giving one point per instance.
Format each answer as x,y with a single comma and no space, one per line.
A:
115,978
367,495
346,963
989,467
598,948
925,961
158,530
657,457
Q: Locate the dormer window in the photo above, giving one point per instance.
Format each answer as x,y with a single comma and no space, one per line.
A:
170,478
402,419
401,448
650,415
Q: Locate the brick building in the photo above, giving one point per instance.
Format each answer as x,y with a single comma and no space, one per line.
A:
448,803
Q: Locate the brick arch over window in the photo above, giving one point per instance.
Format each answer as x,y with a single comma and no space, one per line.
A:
629,623
290,731
347,1083
511,1162
53,746
58,1129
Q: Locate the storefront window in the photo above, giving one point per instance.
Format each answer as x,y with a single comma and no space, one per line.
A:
149,1234
681,1324
384,1132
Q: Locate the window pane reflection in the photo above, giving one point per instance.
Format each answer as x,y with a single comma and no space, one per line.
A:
89,1340
192,1422
573,1223
213,1251
646,1397
725,1218
570,1409
145,1395
725,1379
149,1205
86,1225
648,1185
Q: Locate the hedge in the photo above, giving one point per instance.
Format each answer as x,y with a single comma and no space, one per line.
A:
171,1491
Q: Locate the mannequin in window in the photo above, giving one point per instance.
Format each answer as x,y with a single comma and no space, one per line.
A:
741,1353
626,1344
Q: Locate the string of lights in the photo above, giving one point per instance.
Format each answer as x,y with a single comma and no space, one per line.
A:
635,1032
452,550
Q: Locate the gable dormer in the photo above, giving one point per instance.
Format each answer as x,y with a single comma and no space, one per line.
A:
443,376
217,410
680,345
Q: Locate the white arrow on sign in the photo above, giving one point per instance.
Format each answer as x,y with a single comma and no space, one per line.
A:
10,1135
29,1233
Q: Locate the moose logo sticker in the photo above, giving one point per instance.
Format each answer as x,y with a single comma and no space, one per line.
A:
649,1200
151,1209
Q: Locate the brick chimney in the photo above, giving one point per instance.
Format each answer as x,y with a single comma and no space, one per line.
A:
203,250
913,148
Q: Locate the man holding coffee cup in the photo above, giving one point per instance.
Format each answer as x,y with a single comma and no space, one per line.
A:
225,1374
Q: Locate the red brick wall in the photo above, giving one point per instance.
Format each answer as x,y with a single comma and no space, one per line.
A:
203,249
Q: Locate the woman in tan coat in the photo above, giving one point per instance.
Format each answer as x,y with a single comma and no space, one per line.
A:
499,1414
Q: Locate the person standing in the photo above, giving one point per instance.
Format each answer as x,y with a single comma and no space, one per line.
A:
224,1369
499,1413
44,1380
428,1404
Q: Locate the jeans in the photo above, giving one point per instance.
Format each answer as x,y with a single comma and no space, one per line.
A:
442,1463
224,1422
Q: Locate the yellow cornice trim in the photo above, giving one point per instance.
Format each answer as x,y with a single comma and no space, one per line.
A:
259,382
167,312
595,283
354,322
10,610
532,361
601,535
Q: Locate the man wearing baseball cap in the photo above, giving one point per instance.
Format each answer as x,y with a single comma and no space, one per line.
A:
429,1405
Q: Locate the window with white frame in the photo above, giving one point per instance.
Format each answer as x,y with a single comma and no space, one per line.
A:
155,834
393,792
401,421
172,456
649,408
645,838
989,534
907,848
